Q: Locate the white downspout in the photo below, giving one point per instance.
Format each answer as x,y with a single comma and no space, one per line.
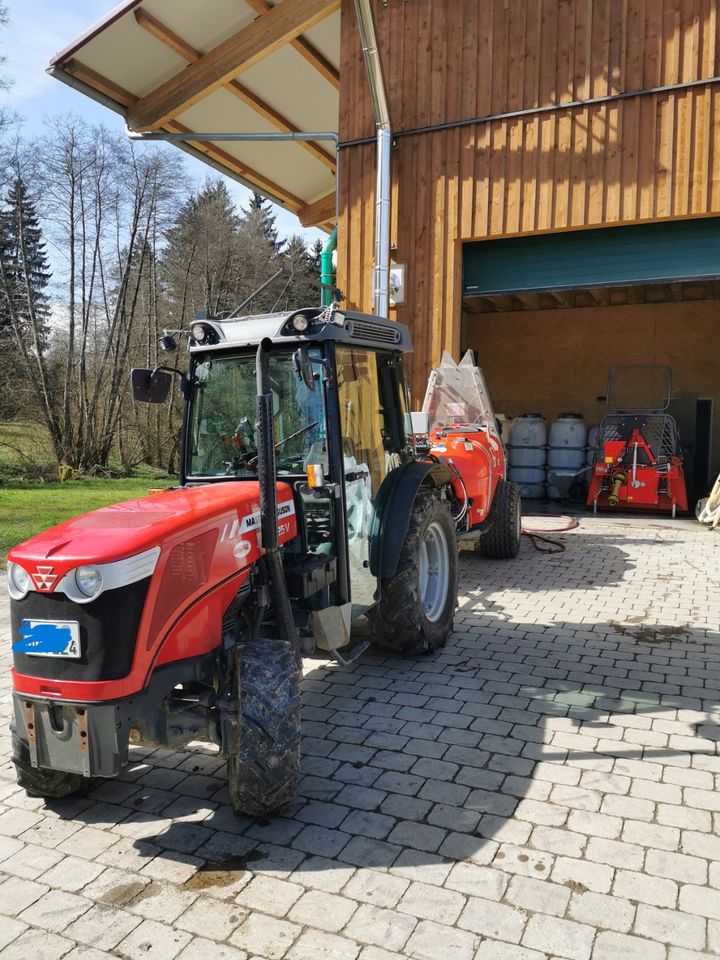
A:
381,111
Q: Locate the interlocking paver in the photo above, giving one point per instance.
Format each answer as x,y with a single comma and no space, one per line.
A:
599,910
36,943
432,940
671,926
610,946
102,927
562,938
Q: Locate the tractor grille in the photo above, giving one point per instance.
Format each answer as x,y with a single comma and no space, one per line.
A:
375,332
108,629
186,570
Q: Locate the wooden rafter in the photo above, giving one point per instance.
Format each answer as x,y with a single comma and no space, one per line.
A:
100,83
306,50
322,211
171,39
127,99
243,50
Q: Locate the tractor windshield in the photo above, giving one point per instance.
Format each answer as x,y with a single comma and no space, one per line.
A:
223,439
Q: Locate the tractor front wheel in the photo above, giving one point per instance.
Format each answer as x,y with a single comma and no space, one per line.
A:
502,540
40,782
264,760
416,610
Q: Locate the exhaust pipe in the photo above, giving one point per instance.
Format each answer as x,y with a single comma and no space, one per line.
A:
267,477
383,130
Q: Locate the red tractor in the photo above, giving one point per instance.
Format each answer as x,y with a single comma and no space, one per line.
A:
302,504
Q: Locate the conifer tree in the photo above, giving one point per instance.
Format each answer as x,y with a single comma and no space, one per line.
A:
24,254
261,220
24,304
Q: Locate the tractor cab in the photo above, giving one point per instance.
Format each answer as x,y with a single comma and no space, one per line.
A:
338,402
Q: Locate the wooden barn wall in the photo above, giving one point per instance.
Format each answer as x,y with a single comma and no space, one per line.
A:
647,157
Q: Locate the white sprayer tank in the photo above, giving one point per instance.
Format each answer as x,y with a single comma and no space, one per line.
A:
567,443
527,454
592,440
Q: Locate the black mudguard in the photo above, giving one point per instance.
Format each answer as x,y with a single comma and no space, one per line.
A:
393,508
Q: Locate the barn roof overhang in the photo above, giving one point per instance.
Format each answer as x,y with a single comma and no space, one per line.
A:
248,67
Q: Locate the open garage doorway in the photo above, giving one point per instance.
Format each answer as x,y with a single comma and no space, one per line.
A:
549,315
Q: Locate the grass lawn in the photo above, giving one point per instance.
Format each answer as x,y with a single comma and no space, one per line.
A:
25,450
28,508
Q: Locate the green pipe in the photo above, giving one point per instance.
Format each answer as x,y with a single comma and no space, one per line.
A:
326,268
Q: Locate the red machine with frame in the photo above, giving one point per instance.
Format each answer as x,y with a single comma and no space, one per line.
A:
638,460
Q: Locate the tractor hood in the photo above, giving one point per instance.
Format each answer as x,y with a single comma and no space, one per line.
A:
141,528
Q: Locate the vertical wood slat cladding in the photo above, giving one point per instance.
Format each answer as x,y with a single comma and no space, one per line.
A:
648,157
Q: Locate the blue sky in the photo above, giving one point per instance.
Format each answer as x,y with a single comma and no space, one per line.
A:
37,30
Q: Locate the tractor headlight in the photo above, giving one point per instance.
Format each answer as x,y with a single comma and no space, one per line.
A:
300,323
198,332
18,581
89,581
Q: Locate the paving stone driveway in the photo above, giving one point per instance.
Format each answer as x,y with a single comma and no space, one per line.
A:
545,786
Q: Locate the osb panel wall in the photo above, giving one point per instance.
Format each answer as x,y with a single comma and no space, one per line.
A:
552,361
650,156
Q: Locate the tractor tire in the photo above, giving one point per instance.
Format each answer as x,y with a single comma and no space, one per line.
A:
39,782
502,540
264,762
415,613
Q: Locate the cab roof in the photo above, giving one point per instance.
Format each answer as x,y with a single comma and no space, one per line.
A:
343,326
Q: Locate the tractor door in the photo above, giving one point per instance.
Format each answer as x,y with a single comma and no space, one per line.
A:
371,402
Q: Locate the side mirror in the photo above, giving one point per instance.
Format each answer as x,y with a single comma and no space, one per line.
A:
150,386
303,367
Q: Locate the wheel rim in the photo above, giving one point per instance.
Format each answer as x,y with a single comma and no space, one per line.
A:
434,570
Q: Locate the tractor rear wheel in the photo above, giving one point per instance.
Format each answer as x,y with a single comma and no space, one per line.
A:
264,760
39,782
415,613
502,541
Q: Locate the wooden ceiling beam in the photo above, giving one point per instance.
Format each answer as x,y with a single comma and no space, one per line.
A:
561,298
636,294
321,211
529,301
100,83
179,46
600,295
306,50
268,33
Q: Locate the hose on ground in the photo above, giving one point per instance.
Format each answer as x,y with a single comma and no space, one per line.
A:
536,534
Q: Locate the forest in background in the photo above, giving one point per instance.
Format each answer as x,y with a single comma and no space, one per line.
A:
105,243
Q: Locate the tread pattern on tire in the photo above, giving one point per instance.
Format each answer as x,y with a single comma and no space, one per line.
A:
398,621
502,541
264,766
39,782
